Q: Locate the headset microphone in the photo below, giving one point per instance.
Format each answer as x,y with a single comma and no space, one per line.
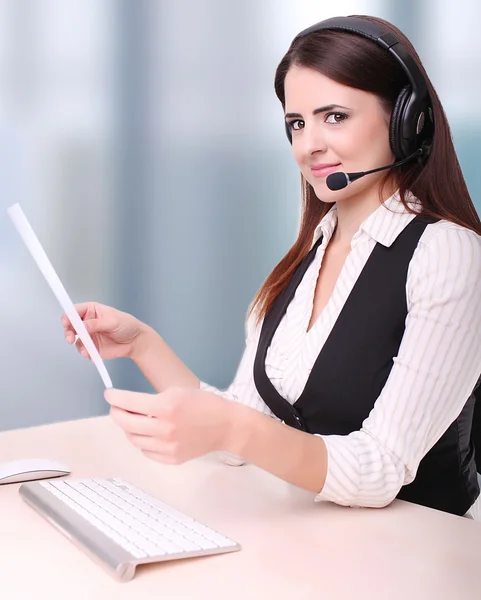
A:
340,180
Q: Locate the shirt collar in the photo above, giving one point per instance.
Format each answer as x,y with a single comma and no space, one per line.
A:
383,225
326,226
388,220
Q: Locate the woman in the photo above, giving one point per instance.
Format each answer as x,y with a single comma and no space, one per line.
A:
363,343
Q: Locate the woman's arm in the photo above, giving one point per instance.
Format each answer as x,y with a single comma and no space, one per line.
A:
242,389
180,424
164,369
152,355
433,375
437,366
292,455
159,363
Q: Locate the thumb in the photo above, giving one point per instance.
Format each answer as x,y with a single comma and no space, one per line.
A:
97,325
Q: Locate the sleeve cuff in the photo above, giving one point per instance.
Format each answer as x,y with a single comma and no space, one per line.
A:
230,459
342,480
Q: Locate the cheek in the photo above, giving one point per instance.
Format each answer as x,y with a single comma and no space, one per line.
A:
353,142
377,137
363,144
299,156
347,144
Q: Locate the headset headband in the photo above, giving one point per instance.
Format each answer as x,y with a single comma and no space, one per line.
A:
411,111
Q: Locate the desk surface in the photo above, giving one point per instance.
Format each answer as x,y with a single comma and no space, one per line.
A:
293,548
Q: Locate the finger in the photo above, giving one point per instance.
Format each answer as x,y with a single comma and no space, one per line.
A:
86,311
138,402
104,324
82,349
82,310
92,326
134,423
70,335
162,458
145,442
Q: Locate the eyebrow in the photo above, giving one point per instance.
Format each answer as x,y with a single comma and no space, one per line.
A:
316,111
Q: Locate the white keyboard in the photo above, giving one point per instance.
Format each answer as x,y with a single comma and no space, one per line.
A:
120,525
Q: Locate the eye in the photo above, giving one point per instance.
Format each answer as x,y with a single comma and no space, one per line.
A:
335,118
296,124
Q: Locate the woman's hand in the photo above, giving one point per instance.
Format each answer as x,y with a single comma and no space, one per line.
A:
181,424
113,332
172,427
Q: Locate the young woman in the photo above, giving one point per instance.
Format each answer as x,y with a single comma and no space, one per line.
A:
362,347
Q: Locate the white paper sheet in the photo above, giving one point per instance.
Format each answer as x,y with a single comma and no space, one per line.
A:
25,230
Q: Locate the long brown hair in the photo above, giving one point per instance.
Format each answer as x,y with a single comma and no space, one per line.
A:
437,182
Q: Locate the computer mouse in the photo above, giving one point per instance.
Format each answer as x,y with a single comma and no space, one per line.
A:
30,469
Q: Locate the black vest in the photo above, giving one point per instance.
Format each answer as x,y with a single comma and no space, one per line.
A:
354,364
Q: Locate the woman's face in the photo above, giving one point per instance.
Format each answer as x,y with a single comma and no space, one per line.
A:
335,128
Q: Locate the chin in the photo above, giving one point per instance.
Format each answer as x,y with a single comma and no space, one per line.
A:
324,193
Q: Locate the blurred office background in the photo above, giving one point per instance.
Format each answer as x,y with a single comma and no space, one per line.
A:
146,146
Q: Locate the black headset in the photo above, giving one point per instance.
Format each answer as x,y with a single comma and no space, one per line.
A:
412,124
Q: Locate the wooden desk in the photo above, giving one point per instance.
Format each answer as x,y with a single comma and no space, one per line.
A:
293,548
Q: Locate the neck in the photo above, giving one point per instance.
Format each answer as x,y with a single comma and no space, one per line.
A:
352,211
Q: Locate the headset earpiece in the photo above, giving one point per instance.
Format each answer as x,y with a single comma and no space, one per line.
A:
396,125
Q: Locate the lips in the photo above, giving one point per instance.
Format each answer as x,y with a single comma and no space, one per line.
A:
323,170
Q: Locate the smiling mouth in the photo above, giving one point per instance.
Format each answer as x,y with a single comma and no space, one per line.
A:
324,171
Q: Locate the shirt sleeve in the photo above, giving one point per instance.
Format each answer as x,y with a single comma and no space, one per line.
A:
433,375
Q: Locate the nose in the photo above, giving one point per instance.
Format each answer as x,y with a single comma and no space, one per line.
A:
313,139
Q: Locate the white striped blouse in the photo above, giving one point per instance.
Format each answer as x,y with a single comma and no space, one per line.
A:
437,366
